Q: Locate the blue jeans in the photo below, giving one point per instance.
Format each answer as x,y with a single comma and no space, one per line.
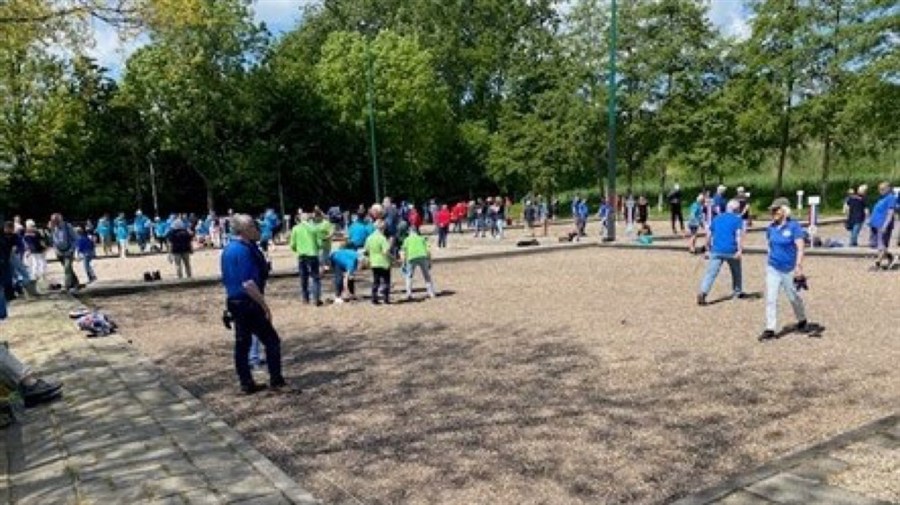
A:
88,269
309,268
854,234
254,356
775,282
712,271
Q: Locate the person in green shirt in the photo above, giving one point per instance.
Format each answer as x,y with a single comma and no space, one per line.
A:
306,243
378,250
415,253
326,234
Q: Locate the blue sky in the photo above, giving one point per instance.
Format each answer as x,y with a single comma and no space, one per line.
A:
282,15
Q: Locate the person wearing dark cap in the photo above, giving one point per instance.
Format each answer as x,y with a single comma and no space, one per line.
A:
785,264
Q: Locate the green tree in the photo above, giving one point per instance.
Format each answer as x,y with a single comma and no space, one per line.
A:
410,106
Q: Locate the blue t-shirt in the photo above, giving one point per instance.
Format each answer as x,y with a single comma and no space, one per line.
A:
725,229
85,246
783,245
880,211
121,229
345,259
242,262
358,233
719,203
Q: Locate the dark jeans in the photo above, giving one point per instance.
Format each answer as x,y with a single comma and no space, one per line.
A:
339,282
442,236
250,319
309,268
675,211
381,282
69,270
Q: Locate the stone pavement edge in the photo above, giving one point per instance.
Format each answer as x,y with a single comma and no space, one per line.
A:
123,432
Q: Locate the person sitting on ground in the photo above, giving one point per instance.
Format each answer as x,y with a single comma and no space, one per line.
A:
645,235
16,375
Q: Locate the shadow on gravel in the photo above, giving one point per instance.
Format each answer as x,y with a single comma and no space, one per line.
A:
428,414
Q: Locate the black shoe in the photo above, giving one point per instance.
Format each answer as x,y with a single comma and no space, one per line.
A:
740,296
249,389
41,388
802,326
701,300
319,303
766,336
148,277
157,276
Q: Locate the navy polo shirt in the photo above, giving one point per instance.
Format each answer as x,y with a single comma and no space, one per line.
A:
719,203
783,245
725,229
242,262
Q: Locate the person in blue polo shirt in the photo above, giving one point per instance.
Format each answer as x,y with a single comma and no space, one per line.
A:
724,244
244,274
345,263
882,222
785,263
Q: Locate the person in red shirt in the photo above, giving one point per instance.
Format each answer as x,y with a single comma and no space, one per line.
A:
414,218
458,216
443,225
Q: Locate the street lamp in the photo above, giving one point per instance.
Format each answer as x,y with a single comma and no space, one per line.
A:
611,141
370,96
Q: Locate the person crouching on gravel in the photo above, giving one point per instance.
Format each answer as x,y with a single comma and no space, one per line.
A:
416,254
724,244
786,246
378,250
344,263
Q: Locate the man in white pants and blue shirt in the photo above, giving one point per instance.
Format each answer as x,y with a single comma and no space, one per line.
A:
785,262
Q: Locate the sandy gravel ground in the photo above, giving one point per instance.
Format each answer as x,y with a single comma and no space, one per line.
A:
574,377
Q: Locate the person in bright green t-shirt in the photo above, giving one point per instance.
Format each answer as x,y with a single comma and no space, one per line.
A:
326,234
415,253
306,243
378,250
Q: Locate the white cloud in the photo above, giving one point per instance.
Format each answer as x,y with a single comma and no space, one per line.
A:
731,17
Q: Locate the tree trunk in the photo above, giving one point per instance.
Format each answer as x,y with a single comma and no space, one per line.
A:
826,166
785,137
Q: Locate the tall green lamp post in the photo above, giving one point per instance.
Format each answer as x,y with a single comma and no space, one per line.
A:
611,141
370,97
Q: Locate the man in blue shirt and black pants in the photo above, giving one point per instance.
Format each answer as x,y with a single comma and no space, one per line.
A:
724,244
244,274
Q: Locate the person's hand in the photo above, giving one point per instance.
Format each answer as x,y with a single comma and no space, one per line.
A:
738,255
798,271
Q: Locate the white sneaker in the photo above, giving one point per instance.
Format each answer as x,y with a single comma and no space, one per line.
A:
338,301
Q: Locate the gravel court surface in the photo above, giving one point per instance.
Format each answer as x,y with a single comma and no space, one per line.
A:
583,376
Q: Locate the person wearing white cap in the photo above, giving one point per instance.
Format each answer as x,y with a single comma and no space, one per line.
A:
719,200
674,199
784,267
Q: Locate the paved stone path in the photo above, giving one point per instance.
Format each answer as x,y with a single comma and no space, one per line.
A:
123,433
858,467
